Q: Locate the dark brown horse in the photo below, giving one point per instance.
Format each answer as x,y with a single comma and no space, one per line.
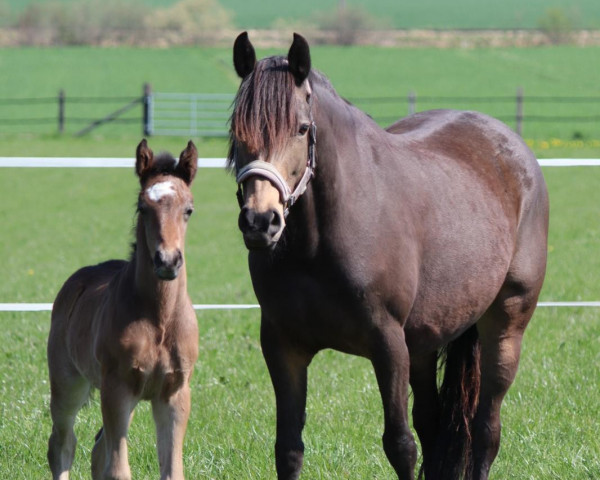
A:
129,329
427,237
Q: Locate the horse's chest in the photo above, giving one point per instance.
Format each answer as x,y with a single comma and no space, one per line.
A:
162,381
153,368
318,312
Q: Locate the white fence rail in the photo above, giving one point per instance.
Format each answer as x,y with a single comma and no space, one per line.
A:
89,162
103,162
47,307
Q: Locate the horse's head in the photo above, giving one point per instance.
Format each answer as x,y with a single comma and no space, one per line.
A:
273,138
165,204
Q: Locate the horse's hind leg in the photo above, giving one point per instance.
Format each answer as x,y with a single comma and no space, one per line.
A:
426,407
500,333
68,393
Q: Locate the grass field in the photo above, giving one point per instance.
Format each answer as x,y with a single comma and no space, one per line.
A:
358,73
424,14
55,220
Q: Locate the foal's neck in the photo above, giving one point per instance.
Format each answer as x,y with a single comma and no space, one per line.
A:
162,297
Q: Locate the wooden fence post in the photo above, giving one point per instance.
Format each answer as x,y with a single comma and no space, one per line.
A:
519,123
412,102
146,101
61,111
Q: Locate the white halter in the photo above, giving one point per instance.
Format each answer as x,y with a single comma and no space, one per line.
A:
260,168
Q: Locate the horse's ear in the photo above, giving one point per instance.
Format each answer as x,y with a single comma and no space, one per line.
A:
299,59
244,57
188,163
143,159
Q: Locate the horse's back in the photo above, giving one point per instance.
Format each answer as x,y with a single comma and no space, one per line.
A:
82,294
479,144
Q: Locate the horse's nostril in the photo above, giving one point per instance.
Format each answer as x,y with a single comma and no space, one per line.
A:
168,259
246,219
276,219
158,259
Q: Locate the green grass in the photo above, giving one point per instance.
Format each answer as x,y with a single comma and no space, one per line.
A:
549,415
358,73
424,14
56,220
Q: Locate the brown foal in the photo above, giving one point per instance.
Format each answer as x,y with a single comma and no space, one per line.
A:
129,329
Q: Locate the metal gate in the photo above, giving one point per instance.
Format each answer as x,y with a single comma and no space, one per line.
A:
193,114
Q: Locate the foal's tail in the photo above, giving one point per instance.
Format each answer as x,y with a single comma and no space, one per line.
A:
459,397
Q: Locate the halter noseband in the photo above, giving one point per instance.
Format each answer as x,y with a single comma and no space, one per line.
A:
260,168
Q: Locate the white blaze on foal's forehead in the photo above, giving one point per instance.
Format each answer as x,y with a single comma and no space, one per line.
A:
160,190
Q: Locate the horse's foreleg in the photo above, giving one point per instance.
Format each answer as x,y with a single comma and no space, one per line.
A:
426,408
288,369
171,417
389,355
109,456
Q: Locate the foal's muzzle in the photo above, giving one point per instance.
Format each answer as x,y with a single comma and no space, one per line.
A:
260,230
167,264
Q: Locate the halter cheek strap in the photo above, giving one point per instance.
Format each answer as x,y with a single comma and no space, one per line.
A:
260,168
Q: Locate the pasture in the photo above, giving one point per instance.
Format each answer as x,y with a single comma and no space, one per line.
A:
55,220
436,14
356,72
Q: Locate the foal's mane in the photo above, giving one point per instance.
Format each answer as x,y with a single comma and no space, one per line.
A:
163,164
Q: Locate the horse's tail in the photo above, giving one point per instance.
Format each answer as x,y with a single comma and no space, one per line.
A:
459,397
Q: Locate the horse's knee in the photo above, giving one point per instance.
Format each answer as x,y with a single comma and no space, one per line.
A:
401,451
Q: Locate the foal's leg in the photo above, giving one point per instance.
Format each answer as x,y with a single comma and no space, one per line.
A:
288,369
69,391
389,355
500,333
109,456
171,419
426,408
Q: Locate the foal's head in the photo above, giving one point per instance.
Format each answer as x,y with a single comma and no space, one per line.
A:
272,137
165,204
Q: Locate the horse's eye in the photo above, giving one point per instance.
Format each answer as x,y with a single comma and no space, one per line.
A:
303,129
142,209
188,212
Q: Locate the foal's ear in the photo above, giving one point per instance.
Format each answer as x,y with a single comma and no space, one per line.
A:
143,159
244,57
188,163
299,59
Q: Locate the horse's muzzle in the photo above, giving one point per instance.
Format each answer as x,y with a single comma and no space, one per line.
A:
167,264
260,229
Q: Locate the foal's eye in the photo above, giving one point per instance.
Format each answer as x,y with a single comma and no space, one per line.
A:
188,212
303,129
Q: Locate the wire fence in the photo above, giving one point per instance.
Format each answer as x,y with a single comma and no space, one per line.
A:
206,115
